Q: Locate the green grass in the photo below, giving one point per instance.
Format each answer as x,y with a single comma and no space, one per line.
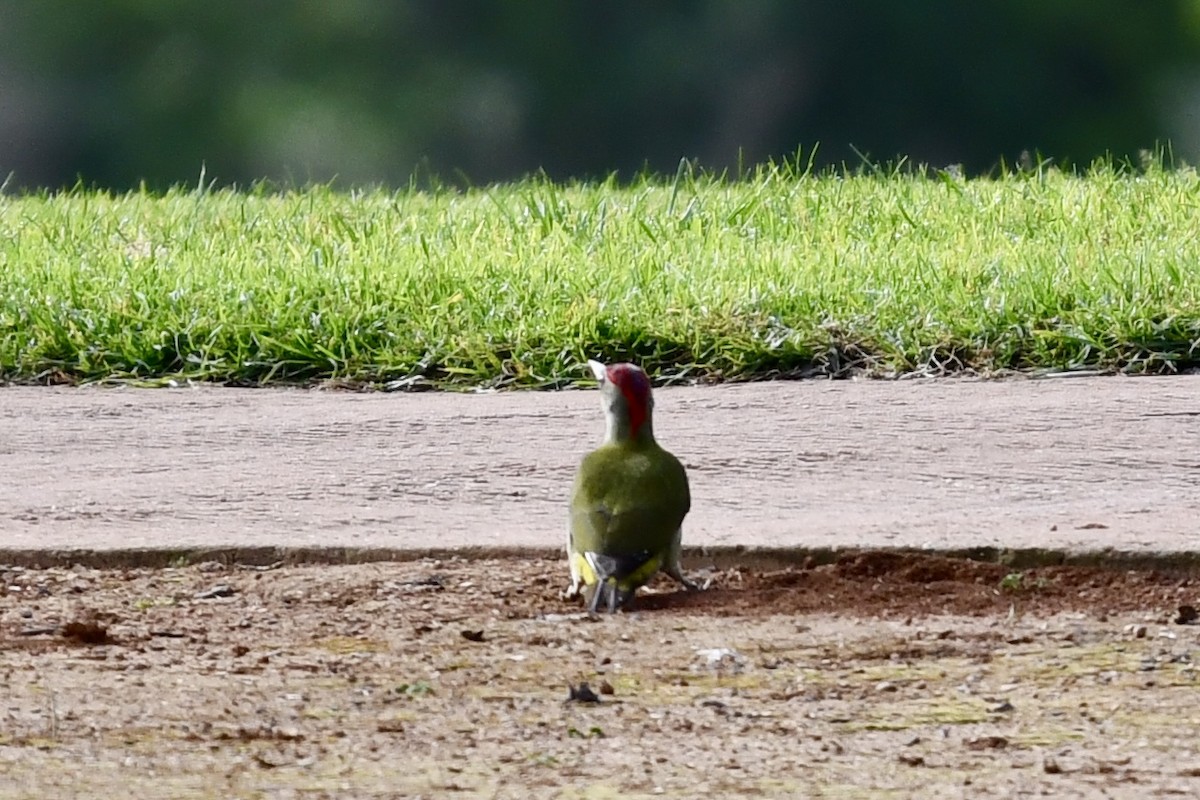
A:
783,272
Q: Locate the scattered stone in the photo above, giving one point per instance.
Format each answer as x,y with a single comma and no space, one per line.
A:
1187,615
220,590
725,710
389,724
261,567
270,759
581,694
1003,707
288,733
472,635
85,632
720,658
606,687
427,583
987,743
41,630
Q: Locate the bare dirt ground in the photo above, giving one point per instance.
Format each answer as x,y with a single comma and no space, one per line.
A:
1074,463
879,675
858,673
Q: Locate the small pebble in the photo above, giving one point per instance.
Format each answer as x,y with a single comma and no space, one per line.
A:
220,590
581,694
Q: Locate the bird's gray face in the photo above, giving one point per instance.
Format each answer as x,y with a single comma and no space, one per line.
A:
625,397
611,399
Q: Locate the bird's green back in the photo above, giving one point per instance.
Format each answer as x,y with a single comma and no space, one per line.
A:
628,497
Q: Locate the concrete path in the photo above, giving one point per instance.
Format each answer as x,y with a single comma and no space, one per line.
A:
1075,463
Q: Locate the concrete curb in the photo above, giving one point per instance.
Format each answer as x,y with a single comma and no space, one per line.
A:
764,558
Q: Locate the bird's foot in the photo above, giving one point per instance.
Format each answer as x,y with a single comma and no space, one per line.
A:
687,583
572,592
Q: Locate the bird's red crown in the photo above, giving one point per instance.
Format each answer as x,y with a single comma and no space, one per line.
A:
631,380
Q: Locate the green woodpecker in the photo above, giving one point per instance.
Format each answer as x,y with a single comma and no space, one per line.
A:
629,499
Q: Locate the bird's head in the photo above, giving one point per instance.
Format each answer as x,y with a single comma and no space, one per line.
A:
627,400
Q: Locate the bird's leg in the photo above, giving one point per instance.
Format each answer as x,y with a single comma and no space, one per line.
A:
675,570
674,566
573,591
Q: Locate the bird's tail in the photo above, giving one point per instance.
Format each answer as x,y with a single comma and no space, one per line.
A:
617,579
610,596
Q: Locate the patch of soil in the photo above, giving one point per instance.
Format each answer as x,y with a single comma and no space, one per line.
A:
894,584
880,673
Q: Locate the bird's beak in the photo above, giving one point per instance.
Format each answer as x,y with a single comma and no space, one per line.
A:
599,370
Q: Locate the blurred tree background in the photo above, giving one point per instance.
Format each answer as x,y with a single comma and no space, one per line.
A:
120,91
